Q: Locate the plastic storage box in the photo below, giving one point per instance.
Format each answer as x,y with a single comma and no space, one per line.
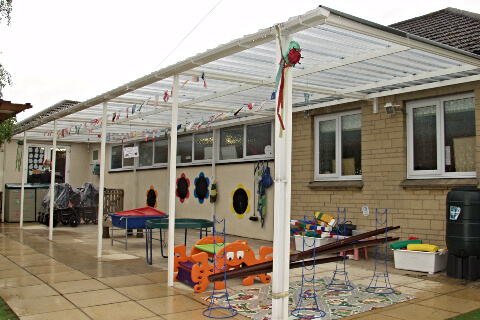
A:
309,242
430,262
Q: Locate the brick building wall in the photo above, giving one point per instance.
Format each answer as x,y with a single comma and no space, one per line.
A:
419,210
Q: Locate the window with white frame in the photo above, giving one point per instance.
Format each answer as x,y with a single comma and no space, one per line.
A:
338,146
236,143
145,154
202,146
160,154
441,137
258,137
184,149
231,143
95,155
245,142
117,159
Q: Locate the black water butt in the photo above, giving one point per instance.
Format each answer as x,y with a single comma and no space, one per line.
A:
463,233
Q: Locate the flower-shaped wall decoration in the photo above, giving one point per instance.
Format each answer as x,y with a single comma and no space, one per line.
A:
182,191
152,197
240,201
201,187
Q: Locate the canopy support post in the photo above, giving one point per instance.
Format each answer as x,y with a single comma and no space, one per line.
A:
53,162
282,198
172,170
24,168
101,186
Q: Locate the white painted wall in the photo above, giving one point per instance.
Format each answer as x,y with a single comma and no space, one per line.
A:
229,176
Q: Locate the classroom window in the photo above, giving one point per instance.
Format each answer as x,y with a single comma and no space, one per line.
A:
184,149
145,151
160,151
338,147
441,137
231,143
259,138
117,159
203,145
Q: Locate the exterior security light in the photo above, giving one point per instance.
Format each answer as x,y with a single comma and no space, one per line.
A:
391,108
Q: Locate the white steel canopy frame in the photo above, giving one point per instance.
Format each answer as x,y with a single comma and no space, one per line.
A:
344,59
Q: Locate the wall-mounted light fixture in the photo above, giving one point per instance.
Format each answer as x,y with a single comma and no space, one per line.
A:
391,108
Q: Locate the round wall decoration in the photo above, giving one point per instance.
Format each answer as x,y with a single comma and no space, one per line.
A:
201,187
240,201
183,184
152,197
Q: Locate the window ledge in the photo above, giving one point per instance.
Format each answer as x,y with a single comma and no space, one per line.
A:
336,184
438,183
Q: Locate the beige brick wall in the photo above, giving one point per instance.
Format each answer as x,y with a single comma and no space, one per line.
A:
420,212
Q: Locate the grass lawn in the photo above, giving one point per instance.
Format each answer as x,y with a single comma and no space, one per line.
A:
5,312
472,315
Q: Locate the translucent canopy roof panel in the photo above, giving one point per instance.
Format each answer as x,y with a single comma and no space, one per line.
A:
343,59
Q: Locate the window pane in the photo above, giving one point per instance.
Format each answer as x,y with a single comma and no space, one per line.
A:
326,150
184,149
116,157
145,151
95,155
424,138
161,151
231,143
351,145
459,116
258,137
128,162
203,146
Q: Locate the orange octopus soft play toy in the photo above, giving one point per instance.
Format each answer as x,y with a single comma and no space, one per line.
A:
238,254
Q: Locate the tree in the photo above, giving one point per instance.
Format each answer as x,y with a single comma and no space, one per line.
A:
5,79
5,11
6,131
7,126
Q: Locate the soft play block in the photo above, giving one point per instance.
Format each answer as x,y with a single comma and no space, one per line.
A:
422,247
404,244
185,273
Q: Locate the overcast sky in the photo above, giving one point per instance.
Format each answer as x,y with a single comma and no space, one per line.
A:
60,49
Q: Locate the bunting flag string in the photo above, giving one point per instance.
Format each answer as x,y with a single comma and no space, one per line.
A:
199,124
217,116
204,80
210,120
188,125
236,112
263,102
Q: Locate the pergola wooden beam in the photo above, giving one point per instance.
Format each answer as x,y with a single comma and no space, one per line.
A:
9,109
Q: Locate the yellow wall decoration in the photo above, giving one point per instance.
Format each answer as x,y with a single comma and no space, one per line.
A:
240,201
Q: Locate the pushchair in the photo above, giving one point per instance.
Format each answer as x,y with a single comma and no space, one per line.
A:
66,206
89,203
